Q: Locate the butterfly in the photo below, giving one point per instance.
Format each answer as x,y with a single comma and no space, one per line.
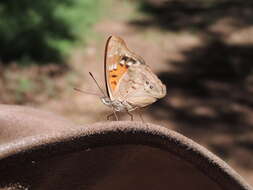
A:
130,83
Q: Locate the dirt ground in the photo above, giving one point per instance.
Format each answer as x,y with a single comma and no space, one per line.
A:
202,53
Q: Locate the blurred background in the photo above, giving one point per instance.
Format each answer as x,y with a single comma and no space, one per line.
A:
201,49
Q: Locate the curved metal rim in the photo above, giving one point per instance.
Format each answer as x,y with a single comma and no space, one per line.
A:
124,133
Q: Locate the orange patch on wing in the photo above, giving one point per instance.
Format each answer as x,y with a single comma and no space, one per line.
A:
116,74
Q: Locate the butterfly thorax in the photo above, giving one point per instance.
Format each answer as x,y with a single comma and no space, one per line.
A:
117,105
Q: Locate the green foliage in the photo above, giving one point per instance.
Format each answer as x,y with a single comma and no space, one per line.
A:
43,31
25,85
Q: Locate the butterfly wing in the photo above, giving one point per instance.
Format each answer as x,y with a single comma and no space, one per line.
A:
116,54
127,75
141,86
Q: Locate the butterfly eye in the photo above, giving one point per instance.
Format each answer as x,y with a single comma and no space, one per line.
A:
151,87
147,83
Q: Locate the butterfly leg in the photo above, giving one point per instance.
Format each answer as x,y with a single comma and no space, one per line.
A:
115,115
112,114
132,117
139,112
109,116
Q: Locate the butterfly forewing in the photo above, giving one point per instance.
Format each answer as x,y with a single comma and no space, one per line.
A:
115,63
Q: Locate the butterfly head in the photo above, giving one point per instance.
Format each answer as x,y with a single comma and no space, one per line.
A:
155,89
106,100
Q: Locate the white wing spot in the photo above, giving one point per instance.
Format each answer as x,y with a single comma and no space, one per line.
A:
129,63
114,66
122,62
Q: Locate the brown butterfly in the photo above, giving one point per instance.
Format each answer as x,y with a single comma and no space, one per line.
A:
130,83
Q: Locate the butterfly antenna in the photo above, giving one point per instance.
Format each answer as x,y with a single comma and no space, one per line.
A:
97,83
86,92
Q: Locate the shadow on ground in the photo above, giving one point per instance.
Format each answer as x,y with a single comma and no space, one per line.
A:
210,92
195,15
